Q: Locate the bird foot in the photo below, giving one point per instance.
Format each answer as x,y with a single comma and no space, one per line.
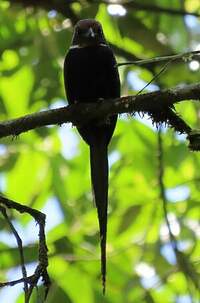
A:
100,100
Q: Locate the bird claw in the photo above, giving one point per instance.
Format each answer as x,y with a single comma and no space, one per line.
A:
105,120
100,100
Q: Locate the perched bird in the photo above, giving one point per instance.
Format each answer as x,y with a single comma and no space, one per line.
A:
90,75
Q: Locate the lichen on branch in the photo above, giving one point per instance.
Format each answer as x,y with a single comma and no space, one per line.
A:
157,104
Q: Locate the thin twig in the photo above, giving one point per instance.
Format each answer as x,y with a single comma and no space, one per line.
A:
156,76
188,56
41,269
182,261
17,281
20,247
162,188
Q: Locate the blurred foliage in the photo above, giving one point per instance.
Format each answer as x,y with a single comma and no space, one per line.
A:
48,168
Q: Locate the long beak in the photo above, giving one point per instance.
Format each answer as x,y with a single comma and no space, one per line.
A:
90,33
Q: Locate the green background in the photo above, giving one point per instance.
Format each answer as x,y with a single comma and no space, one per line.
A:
48,168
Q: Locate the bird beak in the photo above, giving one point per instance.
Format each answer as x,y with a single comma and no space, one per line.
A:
90,33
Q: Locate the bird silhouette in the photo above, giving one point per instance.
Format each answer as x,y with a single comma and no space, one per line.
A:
90,75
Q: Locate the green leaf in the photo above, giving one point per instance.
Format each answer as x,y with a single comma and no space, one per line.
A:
15,91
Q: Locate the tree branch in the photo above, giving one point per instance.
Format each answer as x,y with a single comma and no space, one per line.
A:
153,8
63,4
157,104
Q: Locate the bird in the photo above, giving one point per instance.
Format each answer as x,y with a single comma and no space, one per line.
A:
91,75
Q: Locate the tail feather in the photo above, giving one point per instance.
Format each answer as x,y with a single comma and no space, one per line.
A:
99,176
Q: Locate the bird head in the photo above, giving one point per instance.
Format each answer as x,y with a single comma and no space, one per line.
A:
88,32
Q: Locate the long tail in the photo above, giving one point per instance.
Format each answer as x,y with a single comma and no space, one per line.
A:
99,176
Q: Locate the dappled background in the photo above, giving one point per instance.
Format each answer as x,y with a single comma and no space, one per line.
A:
48,168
